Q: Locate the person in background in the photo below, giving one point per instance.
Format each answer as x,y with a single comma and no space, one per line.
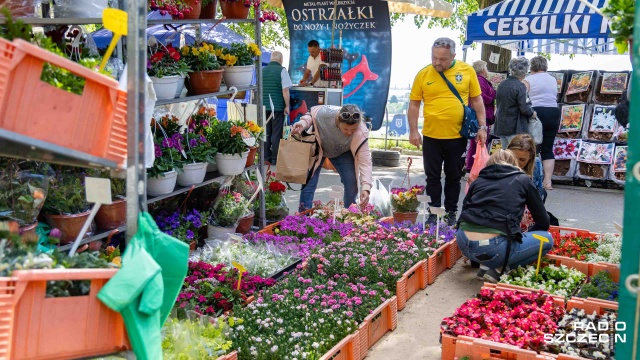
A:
512,110
443,115
543,92
524,148
311,75
489,226
275,86
488,98
343,139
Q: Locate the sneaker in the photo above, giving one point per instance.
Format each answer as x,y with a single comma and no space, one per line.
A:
483,270
431,220
492,275
452,218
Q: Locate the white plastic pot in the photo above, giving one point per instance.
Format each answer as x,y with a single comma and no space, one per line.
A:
180,86
231,164
162,185
238,75
212,166
219,233
192,174
166,87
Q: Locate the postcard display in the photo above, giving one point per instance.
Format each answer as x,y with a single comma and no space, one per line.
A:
590,144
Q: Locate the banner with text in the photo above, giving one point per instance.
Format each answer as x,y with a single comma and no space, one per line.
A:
366,41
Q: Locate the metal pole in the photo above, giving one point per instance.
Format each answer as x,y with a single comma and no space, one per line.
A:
333,26
386,134
258,101
136,62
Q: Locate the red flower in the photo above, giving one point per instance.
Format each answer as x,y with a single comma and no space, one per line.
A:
157,57
277,186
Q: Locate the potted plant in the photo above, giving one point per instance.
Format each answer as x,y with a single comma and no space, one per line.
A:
113,216
199,153
200,123
167,70
248,190
275,205
178,9
66,207
184,226
259,134
208,9
206,75
238,63
622,15
167,142
228,209
23,190
237,9
405,203
229,137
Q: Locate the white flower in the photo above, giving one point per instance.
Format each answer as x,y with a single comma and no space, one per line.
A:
274,348
258,339
315,345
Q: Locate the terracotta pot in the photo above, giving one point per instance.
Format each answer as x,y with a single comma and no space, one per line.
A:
209,11
29,229
244,226
252,156
399,217
69,225
192,245
112,216
196,9
95,245
205,82
234,9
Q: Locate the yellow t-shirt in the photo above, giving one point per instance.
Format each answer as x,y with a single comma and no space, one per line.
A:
442,110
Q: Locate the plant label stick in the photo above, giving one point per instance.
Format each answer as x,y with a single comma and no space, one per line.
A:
424,200
116,21
542,241
335,195
98,192
241,270
438,212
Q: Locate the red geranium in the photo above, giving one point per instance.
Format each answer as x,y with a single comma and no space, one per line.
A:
574,246
276,186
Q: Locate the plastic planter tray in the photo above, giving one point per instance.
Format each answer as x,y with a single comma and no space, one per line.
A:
612,269
346,349
590,305
438,262
455,254
383,319
280,274
478,349
559,300
35,327
411,282
231,356
93,122
582,266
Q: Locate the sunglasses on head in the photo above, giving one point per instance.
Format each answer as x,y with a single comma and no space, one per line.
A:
442,44
346,116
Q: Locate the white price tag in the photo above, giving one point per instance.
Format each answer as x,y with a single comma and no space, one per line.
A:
494,58
618,226
424,198
98,190
335,194
437,211
337,188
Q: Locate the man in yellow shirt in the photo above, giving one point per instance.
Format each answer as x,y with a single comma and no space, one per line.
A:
443,115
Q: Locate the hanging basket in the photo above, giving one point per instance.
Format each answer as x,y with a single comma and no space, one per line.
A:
234,9
229,164
162,185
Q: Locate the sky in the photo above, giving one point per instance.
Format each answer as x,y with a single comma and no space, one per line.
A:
409,55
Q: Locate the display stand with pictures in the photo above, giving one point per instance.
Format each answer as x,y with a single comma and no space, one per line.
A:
566,152
571,120
594,159
496,78
602,123
579,87
619,166
609,87
561,80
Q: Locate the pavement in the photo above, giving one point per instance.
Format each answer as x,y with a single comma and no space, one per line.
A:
417,334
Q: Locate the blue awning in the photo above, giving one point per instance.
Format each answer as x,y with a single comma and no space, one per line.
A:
555,26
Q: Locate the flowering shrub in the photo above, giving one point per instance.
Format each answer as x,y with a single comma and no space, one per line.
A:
197,339
303,227
228,209
182,226
609,250
561,281
574,246
285,244
506,317
406,200
592,327
600,286
304,317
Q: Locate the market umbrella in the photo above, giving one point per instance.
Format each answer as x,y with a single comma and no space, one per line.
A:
434,8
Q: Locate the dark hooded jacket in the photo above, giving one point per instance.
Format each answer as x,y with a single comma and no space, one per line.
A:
497,200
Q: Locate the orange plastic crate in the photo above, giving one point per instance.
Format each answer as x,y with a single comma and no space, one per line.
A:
478,349
344,350
582,266
416,278
58,328
231,356
401,292
454,254
558,300
612,269
438,261
94,122
383,319
591,305
362,340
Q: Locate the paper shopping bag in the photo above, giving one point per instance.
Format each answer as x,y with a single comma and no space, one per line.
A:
293,161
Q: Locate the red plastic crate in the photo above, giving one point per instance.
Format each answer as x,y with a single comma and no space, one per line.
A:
94,122
438,261
383,319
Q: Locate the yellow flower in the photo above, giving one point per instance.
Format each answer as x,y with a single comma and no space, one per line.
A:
231,60
255,49
218,53
194,51
185,50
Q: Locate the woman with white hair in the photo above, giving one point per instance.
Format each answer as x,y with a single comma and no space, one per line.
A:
543,91
488,99
512,110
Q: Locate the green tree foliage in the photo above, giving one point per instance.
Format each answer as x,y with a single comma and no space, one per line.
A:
274,33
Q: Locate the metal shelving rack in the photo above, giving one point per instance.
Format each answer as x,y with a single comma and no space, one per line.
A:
15,145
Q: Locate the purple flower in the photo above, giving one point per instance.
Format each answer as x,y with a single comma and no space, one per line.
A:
158,150
167,143
193,143
190,234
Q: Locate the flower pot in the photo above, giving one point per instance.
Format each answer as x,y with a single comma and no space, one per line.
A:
192,245
212,166
231,164
251,158
399,217
162,185
180,86
69,225
29,229
112,216
234,9
238,75
209,11
196,9
166,86
244,226
192,174
95,245
205,82
220,233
